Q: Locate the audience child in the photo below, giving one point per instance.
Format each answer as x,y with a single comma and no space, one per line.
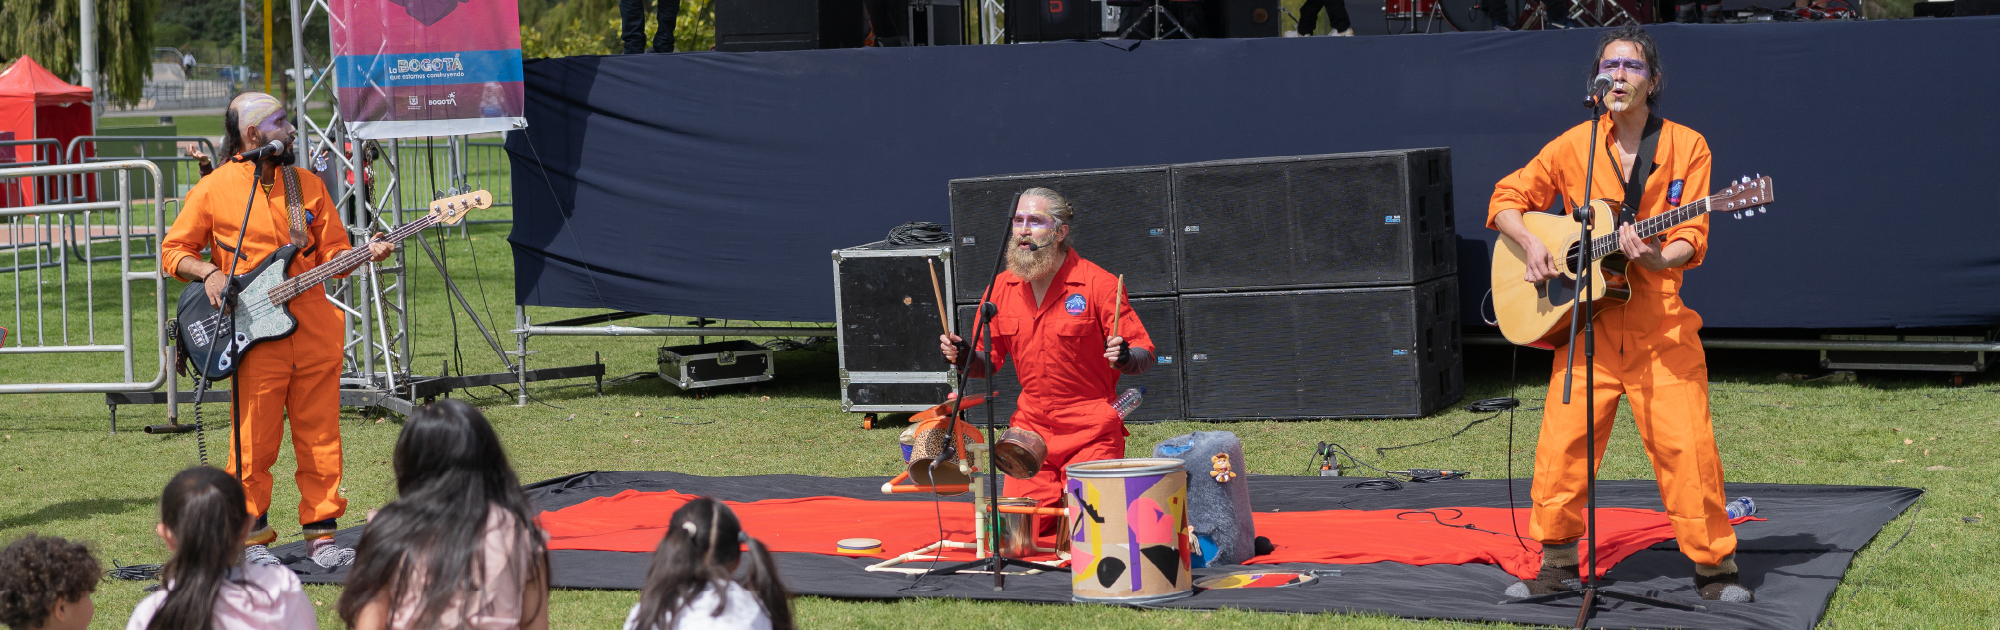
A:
208,586
692,583
45,584
459,548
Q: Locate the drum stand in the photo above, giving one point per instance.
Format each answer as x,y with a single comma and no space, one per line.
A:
980,529
1156,11
1591,593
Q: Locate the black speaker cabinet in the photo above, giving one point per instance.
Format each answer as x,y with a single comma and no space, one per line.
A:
1379,352
931,23
888,325
765,25
1054,20
1354,219
1121,224
1250,18
1163,382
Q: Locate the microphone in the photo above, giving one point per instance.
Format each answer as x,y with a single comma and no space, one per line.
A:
274,148
1598,87
989,309
1033,247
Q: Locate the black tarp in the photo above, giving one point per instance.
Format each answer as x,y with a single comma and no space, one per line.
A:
716,184
1794,560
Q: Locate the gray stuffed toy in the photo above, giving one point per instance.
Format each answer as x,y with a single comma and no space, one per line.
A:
1218,496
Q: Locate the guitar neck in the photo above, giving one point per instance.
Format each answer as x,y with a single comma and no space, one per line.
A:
1650,227
343,263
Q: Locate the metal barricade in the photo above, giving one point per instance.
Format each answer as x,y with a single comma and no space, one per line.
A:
55,300
428,167
180,173
36,236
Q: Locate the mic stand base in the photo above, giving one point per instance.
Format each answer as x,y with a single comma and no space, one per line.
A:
1593,595
994,564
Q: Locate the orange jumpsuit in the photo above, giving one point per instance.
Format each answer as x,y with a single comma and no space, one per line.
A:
1066,385
297,376
1647,350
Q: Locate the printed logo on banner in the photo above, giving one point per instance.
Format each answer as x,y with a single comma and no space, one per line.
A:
1674,192
1075,304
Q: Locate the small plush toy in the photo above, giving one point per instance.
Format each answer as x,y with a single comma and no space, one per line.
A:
1221,472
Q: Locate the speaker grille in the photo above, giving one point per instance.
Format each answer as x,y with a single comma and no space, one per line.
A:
1355,219
1331,353
1121,224
1163,382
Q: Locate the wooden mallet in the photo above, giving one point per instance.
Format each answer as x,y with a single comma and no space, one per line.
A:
944,319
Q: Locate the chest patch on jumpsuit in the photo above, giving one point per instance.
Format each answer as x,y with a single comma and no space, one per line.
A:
1075,304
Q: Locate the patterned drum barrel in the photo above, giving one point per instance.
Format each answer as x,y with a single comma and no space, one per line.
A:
1127,524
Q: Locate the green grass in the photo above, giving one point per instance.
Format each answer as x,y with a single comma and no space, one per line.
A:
62,473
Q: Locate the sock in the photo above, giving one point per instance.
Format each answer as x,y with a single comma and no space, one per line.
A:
1563,555
261,534
1726,566
320,529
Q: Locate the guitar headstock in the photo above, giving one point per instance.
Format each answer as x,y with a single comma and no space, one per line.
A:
1746,197
451,210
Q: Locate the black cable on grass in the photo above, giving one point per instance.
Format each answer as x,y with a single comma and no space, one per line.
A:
133,571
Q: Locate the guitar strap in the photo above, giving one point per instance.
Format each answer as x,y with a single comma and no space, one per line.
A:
1642,168
297,204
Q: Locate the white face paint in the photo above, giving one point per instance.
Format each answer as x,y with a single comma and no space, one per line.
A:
263,114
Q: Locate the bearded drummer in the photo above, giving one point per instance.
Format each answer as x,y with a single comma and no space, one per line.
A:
1055,321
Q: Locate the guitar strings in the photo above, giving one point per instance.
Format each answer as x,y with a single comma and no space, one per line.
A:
213,323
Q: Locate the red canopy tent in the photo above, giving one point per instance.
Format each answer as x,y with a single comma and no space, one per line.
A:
34,104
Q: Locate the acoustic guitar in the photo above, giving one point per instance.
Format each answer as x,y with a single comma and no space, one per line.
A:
1537,314
213,339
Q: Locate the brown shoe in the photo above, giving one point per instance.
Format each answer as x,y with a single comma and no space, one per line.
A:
1549,580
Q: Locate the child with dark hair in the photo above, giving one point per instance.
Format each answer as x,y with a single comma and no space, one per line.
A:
45,584
692,583
459,548
208,585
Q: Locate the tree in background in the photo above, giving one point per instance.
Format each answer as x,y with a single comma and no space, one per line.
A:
590,27
50,30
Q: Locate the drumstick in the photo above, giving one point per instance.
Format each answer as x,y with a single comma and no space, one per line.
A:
1117,304
943,319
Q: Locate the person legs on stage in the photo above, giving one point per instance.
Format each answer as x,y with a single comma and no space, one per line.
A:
1336,17
1672,414
296,377
632,18
1084,433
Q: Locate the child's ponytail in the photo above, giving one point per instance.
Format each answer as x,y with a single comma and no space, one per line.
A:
760,575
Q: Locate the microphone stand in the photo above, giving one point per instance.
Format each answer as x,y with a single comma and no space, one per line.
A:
982,329
1581,315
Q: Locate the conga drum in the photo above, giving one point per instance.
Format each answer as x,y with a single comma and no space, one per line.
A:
1127,519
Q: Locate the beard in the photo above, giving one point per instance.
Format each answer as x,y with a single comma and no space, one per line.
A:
1034,265
288,158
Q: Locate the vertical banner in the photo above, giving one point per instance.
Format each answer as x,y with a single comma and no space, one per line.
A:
409,68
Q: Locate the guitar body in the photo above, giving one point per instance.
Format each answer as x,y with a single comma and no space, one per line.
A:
214,341
1538,314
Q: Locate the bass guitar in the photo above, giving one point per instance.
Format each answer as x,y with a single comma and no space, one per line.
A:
212,339
1537,314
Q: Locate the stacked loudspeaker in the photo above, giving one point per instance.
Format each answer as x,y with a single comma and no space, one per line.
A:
1296,287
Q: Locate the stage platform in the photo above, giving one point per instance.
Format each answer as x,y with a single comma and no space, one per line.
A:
1794,560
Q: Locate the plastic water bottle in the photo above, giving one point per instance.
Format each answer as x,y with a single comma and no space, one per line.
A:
1741,507
1128,401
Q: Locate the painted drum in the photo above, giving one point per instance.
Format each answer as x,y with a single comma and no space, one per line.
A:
1020,453
1127,530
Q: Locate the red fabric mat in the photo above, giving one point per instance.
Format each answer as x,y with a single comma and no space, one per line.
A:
634,521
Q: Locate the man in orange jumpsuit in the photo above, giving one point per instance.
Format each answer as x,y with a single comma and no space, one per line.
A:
297,376
1055,321
1647,349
